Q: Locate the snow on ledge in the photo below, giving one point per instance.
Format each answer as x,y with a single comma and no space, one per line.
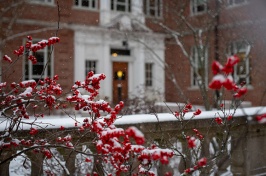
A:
55,122
164,117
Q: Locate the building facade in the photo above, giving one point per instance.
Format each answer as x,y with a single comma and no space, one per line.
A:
213,30
102,36
135,43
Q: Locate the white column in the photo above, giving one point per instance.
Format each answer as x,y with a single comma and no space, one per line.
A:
107,67
105,11
139,67
159,72
79,67
131,74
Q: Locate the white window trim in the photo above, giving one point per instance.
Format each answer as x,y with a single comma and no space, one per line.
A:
148,8
43,3
192,85
126,4
30,65
193,3
86,8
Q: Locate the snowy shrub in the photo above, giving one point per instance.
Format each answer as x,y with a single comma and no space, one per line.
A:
99,146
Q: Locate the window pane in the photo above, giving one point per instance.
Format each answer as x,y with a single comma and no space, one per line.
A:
85,3
152,8
198,6
112,4
40,57
201,8
93,4
121,8
159,8
152,12
152,3
37,69
145,6
90,66
241,70
129,5
148,74
199,57
194,79
33,71
121,5
26,69
90,4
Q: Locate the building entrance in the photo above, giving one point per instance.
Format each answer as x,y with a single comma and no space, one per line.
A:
120,81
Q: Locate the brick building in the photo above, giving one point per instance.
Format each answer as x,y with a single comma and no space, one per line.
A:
130,41
98,35
213,30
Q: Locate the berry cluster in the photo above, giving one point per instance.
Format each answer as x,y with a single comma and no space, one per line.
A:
32,48
85,102
20,51
223,78
187,108
200,164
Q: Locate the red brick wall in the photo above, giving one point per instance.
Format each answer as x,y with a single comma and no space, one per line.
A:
47,15
68,13
179,65
233,27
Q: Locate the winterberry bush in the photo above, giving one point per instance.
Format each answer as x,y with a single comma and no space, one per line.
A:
22,104
111,150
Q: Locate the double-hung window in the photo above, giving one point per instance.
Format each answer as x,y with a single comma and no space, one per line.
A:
38,70
199,73
241,72
152,8
90,65
87,4
148,74
198,6
121,5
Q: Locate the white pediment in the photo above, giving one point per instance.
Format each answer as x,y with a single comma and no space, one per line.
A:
124,22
